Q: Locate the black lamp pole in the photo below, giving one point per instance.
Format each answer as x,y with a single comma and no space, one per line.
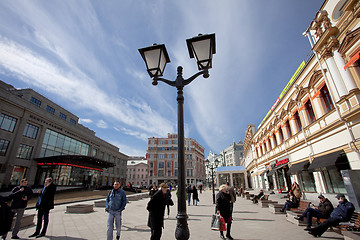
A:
155,67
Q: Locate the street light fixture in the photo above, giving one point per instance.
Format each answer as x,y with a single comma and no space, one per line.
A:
212,167
201,48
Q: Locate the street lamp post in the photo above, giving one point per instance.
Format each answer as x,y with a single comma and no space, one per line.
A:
201,48
212,167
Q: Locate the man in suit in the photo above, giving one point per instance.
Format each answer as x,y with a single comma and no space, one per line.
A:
43,205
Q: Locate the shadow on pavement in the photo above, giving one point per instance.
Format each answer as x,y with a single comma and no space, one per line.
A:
253,219
142,228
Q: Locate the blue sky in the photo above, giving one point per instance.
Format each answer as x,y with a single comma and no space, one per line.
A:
84,56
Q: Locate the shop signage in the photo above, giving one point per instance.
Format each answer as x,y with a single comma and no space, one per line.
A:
66,164
282,161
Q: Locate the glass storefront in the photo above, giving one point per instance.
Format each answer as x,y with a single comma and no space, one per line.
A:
17,174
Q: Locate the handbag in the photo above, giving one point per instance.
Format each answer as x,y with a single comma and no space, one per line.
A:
222,224
215,222
171,203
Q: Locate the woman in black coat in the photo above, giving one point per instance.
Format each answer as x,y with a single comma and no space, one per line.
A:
195,195
223,208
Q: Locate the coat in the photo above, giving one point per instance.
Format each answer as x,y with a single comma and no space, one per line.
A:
6,217
223,205
195,194
17,197
325,208
156,208
295,188
232,194
47,198
343,211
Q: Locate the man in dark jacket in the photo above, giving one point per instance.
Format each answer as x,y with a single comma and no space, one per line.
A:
6,217
156,208
43,205
322,211
342,213
19,196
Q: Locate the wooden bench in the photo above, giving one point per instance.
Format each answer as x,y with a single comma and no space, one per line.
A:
295,212
351,235
352,225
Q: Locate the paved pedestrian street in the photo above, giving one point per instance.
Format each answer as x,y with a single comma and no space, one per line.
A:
250,222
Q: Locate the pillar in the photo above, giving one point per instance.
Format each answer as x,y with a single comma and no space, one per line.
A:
231,180
246,180
347,78
336,76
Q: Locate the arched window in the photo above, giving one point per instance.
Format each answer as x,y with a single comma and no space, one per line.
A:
326,99
310,112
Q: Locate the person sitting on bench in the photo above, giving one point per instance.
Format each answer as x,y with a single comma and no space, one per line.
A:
293,202
257,197
342,213
322,211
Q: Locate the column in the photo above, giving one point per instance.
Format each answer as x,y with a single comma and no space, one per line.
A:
348,80
231,179
335,74
246,180
217,180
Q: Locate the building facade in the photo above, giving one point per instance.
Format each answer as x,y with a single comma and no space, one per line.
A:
40,139
234,154
311,134
162,157
137,171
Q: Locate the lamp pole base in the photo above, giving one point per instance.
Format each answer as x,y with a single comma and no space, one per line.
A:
182,230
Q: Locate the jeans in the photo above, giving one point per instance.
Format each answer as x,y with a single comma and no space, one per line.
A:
195,202
42,213
331,222
289,205
19,214
113,215
189,197
309,213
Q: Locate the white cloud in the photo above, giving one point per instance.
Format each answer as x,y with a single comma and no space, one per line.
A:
85,120
101,124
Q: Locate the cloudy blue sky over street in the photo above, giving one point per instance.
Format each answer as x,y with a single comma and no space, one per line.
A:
83,55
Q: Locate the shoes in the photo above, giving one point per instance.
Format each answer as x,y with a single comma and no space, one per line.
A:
308,228
117,237
33,235
222,237
15,237
40,235
299,218
282,210
229,237
313,233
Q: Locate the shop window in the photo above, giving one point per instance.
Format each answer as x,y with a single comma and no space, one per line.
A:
326,99
24,152
3,146
18,173
310,112
333,181
30,131
307,181
7,123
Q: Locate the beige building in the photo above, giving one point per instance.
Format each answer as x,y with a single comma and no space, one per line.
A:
162,156
39,139
137,171
311,133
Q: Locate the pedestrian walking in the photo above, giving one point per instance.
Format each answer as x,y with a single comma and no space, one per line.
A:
223,208
195,195
156,208
232,194
153,190
44,204
188,191
169,201
115,204
19,198
6,217
200,188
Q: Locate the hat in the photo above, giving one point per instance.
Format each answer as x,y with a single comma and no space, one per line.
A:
340,195
321,196
164,185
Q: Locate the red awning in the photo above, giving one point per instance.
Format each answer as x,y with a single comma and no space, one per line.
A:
352,60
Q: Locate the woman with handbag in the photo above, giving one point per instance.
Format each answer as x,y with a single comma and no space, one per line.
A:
223,208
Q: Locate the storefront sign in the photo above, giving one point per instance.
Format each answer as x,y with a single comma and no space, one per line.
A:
282,161
66,164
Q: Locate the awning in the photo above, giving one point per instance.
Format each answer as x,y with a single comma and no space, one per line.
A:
263,173
352,60
273,170
298,167
335,160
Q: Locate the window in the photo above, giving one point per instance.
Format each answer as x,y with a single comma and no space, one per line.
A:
24,151
169,173
161,164
30,131
72,121
169,164
3,146
35,101
297,121
161,173
94,152
281,135
150,173
333,181
50,109
7,123
62,116
275,142
310,112
326,99
288,129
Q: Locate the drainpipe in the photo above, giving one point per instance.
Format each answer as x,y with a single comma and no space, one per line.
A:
353,140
